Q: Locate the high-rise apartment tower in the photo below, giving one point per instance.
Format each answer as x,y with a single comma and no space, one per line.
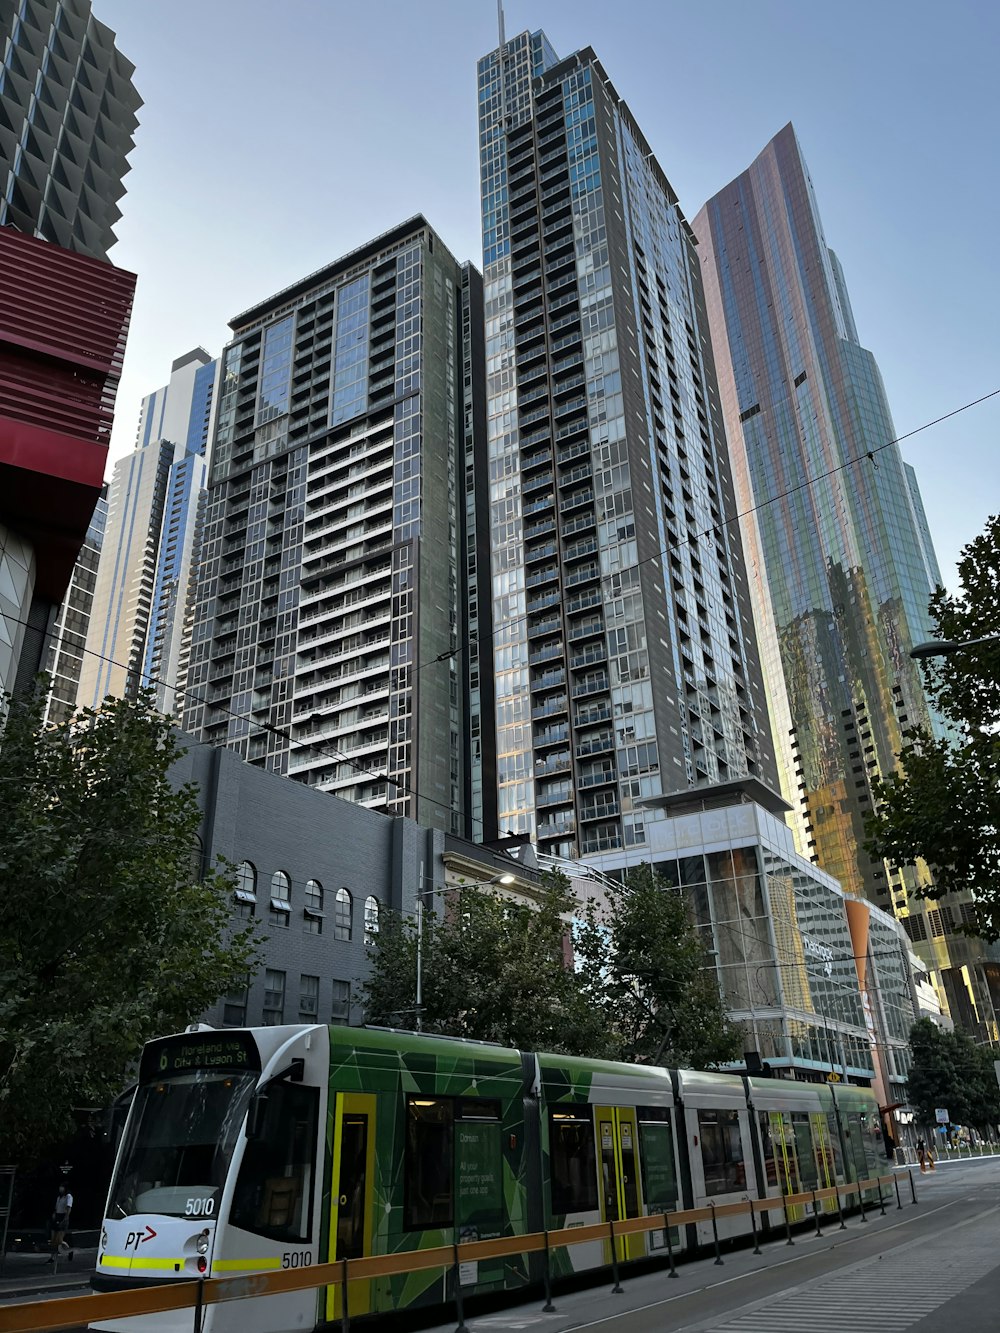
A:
626,664
139,617
835,533
339,606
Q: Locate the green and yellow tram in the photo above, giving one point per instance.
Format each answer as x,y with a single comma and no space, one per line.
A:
281,1147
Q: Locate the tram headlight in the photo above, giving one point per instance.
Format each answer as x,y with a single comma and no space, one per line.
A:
201,1244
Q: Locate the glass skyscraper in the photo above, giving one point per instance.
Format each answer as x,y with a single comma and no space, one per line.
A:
836,538
626,664
337,613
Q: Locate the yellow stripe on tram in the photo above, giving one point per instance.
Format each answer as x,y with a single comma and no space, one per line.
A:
128,1261
244,1265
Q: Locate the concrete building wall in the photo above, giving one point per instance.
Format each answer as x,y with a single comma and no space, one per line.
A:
278,825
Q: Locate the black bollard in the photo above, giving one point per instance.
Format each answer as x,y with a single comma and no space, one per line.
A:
459,1310
913,1188
788,1225
617,1289
816,1214
199,1305
881,1201
899,1201
670,1247
715,1235
861,1202
548,1307
753,1228
345,1314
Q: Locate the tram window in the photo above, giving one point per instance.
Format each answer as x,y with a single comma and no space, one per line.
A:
659,1174
273,1195
181,1136
808,1174
572,1160
721,1151
428,1198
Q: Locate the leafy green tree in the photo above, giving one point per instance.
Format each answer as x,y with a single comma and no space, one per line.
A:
646,970
943,805
950,1070
933,1077
109,932
492,968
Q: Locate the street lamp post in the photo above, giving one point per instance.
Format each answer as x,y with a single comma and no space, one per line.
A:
944,647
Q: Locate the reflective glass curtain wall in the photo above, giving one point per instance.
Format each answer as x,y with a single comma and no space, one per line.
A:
841,560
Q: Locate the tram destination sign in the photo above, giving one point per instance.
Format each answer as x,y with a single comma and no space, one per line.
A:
198,1050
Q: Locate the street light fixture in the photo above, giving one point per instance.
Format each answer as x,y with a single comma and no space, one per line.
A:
943,647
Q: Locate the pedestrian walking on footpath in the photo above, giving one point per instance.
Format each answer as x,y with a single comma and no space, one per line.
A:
922,1154
59,1223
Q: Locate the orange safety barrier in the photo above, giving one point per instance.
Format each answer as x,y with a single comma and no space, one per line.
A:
64,1312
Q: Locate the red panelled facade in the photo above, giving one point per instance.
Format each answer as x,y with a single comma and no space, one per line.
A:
63,323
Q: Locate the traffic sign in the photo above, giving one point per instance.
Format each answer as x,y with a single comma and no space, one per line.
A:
941,1115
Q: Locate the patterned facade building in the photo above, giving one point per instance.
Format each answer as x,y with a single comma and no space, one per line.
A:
341,562
64,322
626,665
836,537
67,116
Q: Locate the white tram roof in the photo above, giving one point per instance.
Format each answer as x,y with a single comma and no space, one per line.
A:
724,1092
786,1094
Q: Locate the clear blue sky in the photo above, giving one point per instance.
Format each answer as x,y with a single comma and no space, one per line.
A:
278,134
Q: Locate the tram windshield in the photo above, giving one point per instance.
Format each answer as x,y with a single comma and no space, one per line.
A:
179,1143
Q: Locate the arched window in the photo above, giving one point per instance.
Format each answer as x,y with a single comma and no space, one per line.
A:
312,915
371,918
281,899
342,915
246,890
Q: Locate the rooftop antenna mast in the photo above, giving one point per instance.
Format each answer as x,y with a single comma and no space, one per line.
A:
503,39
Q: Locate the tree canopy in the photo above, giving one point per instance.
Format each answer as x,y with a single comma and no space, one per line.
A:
646,970
110,933
943,804
498,969
492,968
950,1070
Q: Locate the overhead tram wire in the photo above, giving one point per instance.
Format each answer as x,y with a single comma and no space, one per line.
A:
339,757
867,456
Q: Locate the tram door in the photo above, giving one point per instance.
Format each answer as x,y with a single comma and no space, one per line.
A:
618,1143
351,1196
